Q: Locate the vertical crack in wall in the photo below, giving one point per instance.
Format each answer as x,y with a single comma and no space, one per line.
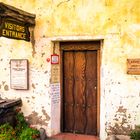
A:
62,3
32,38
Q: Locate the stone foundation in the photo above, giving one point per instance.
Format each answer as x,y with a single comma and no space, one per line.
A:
118,137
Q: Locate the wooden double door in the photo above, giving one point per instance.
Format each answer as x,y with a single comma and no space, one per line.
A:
79,90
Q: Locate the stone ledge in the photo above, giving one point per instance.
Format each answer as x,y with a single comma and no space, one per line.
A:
118,137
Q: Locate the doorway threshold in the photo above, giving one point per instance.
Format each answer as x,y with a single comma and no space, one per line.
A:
71,136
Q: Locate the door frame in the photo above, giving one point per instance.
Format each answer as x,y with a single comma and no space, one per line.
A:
96,46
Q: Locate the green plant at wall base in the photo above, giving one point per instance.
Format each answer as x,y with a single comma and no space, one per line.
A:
21,131
29,134
21,124
7,132
24,132
135,134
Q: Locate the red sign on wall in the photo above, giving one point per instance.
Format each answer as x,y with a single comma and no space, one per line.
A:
54,59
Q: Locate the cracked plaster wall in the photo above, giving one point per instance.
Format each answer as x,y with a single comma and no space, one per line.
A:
117,22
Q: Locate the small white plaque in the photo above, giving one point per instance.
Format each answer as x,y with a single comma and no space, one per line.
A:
19,73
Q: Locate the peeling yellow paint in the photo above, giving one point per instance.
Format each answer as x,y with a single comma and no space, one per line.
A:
108,2
115,21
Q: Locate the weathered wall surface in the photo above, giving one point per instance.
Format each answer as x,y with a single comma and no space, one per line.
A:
117,22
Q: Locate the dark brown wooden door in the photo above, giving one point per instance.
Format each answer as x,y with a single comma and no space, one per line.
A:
80,91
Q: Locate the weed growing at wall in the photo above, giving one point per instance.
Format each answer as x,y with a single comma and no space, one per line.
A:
21,131
135,134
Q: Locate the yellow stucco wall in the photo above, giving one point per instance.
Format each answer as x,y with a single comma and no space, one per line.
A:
115,21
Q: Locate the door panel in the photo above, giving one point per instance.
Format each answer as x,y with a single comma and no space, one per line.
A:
68,89
91,92
80,91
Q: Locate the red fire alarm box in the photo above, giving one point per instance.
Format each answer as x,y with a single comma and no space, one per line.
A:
54,59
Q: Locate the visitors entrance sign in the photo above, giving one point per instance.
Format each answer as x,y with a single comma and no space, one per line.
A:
14,29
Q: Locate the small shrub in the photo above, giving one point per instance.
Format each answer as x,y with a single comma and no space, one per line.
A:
135,134
7,132
21,131
21,124
29,134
